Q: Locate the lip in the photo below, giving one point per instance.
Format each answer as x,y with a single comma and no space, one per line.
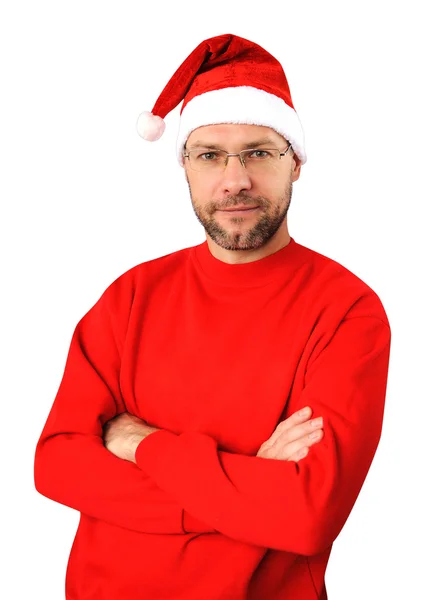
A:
240,209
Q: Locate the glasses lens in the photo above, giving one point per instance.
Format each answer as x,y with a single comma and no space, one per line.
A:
260,159
204,159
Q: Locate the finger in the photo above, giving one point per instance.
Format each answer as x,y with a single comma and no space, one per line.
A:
286,449
286,436
298,417
299,455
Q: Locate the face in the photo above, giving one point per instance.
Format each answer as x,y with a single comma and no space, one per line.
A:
270,191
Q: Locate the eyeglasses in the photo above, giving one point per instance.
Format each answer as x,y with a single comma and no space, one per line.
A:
255,160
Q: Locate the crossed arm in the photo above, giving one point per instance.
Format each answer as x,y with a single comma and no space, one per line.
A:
297,507
72,465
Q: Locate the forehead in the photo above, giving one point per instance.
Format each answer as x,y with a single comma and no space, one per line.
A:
241,135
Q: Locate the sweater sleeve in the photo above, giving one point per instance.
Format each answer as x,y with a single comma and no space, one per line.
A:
72,466
296,507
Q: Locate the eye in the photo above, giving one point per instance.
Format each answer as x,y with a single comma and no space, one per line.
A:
259,154
207,156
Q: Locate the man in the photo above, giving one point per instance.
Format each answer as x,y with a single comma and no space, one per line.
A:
221,405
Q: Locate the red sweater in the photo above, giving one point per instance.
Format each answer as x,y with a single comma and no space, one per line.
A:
216,355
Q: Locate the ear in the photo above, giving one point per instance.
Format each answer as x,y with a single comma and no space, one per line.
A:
297,164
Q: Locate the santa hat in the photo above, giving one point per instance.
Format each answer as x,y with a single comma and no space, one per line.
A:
226,79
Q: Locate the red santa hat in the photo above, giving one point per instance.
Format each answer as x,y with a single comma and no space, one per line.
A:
226,79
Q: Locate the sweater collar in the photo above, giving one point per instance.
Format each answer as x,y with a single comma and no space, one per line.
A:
258,272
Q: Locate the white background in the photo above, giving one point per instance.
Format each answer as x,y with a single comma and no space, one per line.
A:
84,198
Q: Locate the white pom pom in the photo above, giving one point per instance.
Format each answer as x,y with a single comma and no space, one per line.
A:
150,127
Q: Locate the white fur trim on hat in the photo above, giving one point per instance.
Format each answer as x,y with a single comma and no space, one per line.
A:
245,105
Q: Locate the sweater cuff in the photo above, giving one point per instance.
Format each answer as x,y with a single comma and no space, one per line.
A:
157,452
153,449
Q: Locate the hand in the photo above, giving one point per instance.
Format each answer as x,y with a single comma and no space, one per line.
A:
290,440
123,433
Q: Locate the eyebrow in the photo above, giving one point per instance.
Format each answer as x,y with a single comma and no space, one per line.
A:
254,144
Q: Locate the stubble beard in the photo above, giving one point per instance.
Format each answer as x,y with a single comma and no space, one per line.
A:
238,235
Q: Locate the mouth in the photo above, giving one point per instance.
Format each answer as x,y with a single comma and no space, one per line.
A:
240,209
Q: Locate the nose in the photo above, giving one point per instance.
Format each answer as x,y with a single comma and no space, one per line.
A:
235,177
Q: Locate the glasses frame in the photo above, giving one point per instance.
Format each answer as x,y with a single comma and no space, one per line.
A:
240,154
